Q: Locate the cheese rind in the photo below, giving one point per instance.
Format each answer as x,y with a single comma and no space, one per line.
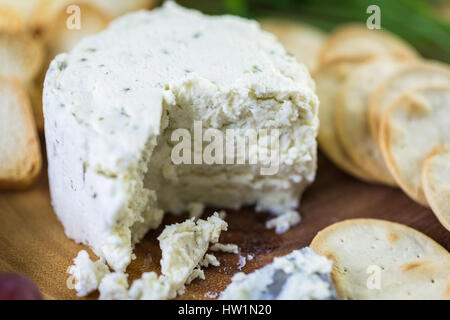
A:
112,103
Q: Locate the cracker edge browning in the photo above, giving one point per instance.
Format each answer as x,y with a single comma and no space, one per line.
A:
445,221
377,173
384,143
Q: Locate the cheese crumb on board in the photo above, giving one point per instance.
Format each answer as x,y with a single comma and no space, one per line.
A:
300,275
283,222
112,104
152,287
114,286
197,273
229,247
195,209
208,260
87,273
183,245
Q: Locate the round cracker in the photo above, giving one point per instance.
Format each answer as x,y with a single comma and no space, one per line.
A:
301,40
412,125
407,263
412,75
436,183
58,38
356,42
21,55
351,118
329,81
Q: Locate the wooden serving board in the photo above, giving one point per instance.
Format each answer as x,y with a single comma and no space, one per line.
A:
32,240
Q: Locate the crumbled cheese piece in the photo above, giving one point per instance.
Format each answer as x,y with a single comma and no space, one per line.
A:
283,222
196,209
152,287
222,214
229,247
114,286
302,274
184,245
241,262
196,273
87,273
209,259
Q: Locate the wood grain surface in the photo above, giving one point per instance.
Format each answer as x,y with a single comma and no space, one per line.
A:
32,241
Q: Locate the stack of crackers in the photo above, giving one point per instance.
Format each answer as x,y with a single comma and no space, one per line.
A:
32,33
385,119
384,111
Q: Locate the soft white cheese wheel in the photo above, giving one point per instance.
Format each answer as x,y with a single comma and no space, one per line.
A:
112,103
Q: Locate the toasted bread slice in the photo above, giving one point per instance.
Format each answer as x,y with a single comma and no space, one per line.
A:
436,183
376,259
411,127
21,55
20,153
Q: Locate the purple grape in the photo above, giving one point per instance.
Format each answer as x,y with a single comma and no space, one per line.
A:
18,287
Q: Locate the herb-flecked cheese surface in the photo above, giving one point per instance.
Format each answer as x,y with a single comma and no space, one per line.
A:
111,104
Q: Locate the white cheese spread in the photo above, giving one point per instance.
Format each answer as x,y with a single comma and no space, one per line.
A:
112,103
